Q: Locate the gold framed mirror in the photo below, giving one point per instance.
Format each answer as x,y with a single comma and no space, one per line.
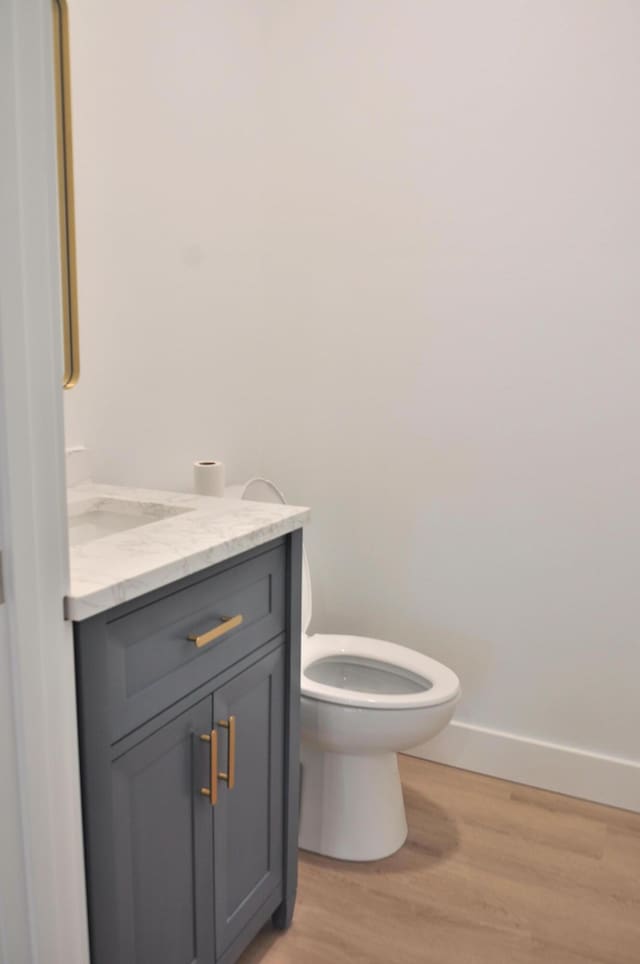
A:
70,325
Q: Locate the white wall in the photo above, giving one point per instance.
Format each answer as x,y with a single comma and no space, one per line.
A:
388,255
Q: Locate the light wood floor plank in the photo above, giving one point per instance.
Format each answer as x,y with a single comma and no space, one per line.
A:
492,873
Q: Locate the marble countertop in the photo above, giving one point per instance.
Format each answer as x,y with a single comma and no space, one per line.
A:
181,534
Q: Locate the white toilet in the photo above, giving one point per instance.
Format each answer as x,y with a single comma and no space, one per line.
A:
363,700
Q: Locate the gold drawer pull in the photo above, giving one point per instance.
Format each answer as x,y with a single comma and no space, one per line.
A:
230,775
228,623
212,790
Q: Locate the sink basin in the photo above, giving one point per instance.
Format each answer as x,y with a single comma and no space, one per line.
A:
96,518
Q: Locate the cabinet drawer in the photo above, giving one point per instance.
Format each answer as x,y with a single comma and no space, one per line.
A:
151,662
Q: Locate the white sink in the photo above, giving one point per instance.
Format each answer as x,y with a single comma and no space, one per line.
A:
96,518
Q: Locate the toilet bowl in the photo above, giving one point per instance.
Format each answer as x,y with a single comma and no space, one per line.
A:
362,701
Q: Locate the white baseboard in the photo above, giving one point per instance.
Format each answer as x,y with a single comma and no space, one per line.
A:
578,773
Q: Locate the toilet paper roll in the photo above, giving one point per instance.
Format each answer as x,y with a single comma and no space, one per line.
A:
208,477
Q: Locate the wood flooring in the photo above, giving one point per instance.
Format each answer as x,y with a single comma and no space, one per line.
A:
492,873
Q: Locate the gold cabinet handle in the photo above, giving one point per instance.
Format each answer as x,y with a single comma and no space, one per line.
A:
212,790
228,623
66,202
230,775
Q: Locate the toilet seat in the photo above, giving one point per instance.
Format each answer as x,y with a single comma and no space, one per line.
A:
371,658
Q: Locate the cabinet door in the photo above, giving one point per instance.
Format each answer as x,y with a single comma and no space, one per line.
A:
248,816
162,838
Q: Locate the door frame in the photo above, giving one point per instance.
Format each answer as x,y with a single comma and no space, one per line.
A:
15,939
43,766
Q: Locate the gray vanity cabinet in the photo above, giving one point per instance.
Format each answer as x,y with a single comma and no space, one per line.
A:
248,817
190,765
162,841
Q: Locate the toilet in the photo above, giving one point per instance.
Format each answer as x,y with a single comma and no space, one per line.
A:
362,701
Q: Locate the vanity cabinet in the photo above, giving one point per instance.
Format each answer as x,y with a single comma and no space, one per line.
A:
162,843
190,761
248,818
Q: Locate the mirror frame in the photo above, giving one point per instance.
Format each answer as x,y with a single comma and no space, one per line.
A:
66,197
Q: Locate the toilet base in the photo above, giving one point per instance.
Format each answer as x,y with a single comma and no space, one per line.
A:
351,805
